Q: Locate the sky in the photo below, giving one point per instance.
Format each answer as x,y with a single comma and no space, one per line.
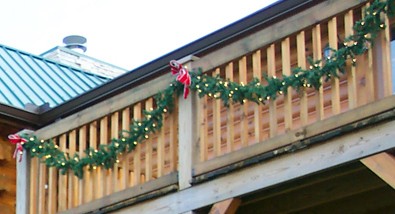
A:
125,33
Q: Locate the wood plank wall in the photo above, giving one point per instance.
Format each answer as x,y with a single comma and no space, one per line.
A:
7,169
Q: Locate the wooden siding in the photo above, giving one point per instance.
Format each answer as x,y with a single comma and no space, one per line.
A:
7,169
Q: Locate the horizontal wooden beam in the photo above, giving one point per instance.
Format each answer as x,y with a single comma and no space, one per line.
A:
339,188
340,150
127,194
383,165
106,107
275,32
228,206
355,115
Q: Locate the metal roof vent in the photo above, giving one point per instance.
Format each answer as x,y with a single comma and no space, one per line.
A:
75,42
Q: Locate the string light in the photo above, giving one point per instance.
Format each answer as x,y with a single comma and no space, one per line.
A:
267,92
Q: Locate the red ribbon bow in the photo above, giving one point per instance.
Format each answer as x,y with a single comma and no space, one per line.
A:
18,141
182,75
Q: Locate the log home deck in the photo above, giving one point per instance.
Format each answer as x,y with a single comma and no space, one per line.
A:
207,153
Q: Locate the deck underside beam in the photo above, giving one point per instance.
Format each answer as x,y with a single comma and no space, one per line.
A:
383,165
228,206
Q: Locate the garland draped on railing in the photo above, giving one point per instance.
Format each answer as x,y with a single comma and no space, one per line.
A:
366,30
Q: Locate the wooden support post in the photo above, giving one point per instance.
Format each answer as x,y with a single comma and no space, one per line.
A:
383,165
23,181
382,62
333,40
228,206
187,134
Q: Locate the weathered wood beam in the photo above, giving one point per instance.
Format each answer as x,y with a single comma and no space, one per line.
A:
383,165
350,147
228,206
187,133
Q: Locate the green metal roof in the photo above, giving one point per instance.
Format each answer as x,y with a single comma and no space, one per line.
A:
27,78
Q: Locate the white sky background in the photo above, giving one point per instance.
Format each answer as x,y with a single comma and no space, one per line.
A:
126,33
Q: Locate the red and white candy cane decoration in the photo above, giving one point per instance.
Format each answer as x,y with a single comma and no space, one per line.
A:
182,75
18,141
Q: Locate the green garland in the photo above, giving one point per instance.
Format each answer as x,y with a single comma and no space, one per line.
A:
366,30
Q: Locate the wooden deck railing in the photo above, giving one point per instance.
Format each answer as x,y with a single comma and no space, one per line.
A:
220,131
51,192
223,130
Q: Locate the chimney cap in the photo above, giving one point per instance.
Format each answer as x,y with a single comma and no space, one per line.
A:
75,42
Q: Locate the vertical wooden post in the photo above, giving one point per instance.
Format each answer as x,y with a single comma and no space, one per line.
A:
137,150
115,134
243,108
62,179
82,148
187,133
23,181
335,93
148,147
368,66
73,180
217,122
257,73
382,62
101,189
317,54
271,71
301,51
230,138
286,63
351,76
125,163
